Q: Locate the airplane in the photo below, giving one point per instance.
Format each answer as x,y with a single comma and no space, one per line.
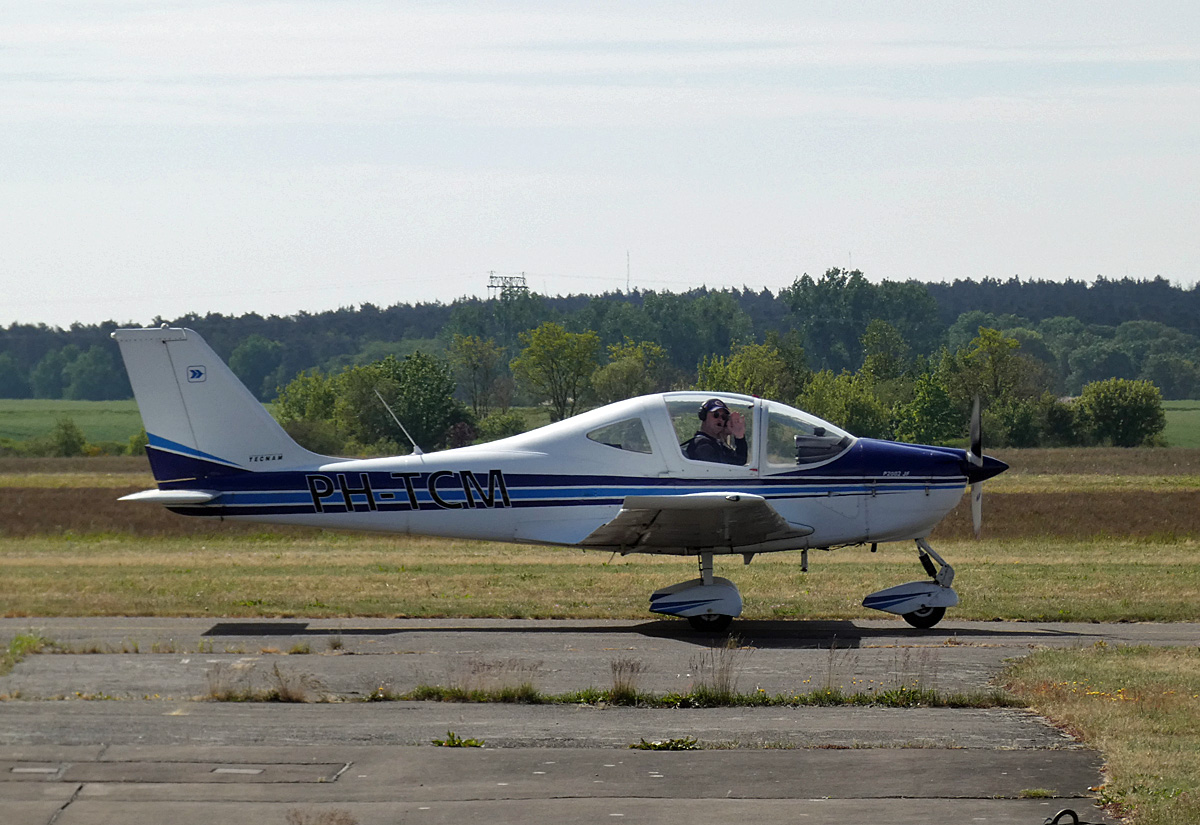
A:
614,479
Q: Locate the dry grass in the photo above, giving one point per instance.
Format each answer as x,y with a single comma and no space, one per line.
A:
1096,514
339,575
10,465
1141,707
1106,461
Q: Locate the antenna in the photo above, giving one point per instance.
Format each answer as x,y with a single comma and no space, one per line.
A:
416,449
626,271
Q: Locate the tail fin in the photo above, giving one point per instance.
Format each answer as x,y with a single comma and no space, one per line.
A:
201,420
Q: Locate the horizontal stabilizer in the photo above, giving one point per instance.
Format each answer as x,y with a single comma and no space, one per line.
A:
172,496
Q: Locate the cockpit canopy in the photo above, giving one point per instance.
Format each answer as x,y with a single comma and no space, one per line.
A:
779,437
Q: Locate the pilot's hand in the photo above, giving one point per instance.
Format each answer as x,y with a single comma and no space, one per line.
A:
737,425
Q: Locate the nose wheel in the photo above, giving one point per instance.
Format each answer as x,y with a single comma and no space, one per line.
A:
925,617
710,622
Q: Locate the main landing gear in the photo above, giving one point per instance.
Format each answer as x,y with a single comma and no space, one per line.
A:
709,603
921,603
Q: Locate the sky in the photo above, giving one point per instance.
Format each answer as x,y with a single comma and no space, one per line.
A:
171,157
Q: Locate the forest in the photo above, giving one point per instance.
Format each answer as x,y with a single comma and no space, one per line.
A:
876,346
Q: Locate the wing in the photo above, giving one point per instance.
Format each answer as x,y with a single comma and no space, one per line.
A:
735,522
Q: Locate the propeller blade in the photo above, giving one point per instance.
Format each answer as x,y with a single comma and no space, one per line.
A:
975,454
977,506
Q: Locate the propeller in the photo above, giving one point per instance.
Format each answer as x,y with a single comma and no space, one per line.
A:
975,456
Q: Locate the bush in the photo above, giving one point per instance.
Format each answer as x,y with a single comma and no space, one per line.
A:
500,425
138,443
66,439
1123,413
320,436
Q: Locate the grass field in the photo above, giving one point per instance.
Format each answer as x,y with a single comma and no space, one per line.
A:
23,419
1183,423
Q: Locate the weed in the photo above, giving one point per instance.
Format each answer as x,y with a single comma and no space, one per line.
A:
717,670
701,697
453,740
229,683
290,686
1037,793
300,648
625,675
686,743
336,642
19,647
491,675
237,683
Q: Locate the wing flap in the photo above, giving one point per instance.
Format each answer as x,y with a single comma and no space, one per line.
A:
696,520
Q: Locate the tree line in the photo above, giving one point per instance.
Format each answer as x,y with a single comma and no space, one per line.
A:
835,327
892,396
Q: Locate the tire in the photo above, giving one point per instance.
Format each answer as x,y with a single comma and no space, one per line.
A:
710,622
926,617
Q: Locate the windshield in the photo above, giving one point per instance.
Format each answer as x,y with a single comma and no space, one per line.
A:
795,438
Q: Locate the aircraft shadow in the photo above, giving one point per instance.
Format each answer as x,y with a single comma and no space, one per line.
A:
767,634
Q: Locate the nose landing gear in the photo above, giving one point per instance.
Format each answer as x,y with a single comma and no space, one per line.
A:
921,603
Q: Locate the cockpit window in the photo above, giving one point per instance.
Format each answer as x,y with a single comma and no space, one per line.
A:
629,435
686,419
792,441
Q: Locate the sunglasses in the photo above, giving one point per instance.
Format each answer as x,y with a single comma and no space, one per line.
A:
722,415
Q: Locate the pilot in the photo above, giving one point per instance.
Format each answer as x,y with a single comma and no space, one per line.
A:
717,423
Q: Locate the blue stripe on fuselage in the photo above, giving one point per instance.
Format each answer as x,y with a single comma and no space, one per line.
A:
871,466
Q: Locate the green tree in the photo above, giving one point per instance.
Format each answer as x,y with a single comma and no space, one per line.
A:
931,417
254,361
306,407
310,396
47,377
885,352
835,310
13,383
1096,362
95,376
753,369
477,363
697,324
137,443
500,425
555,366
1177,377
848,401
1123,413
420,391
632,370
992,368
